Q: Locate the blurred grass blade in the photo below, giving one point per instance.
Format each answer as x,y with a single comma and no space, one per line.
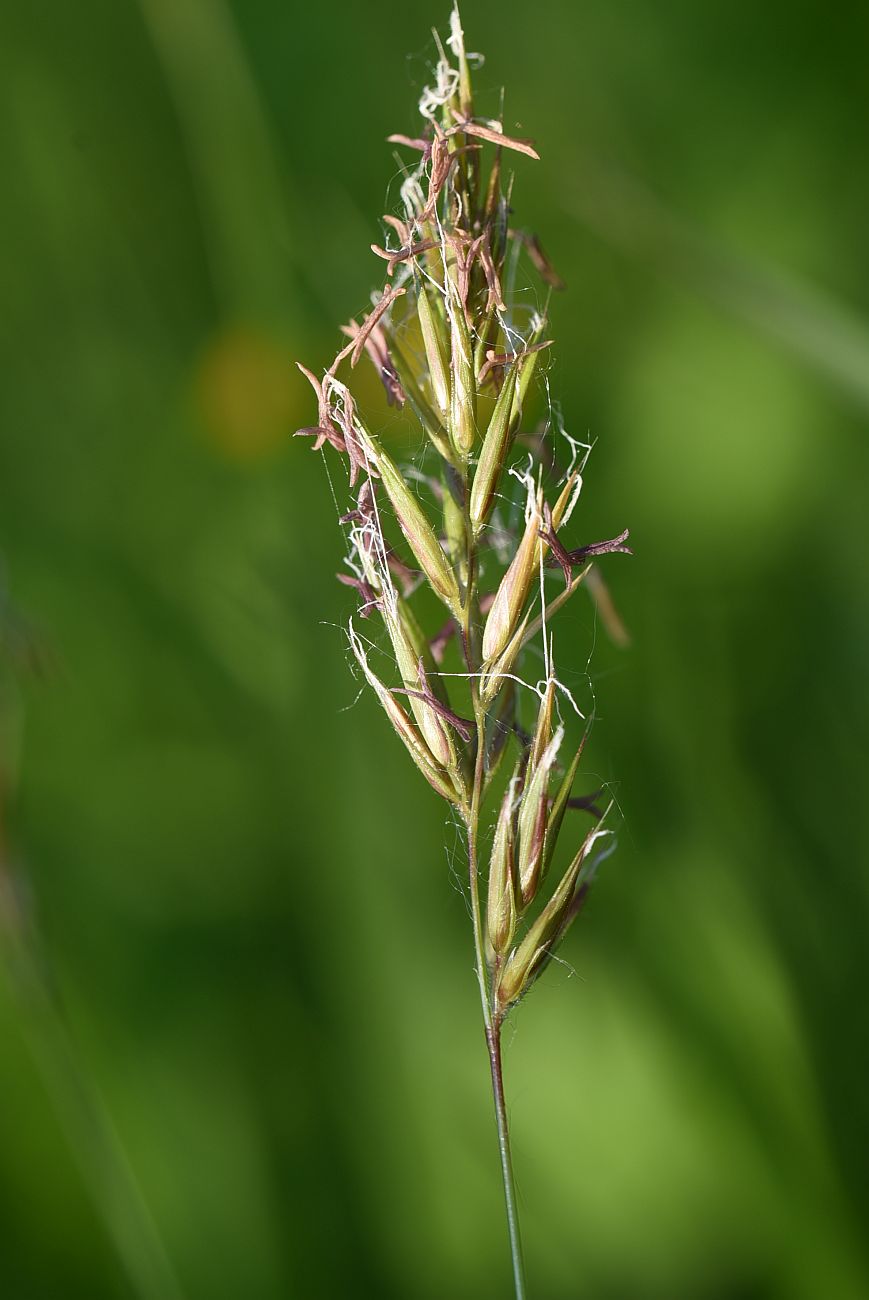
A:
814,327
82,1113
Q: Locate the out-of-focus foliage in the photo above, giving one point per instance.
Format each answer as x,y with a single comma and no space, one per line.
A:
252,940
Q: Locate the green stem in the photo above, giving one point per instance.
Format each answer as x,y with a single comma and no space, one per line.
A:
492,1020
491,1015
493,1038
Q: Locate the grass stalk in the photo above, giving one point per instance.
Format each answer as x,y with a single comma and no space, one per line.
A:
492,1020
467,352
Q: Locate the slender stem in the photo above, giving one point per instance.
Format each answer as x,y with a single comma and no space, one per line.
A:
473,823
491,1014
493,1037
492,1020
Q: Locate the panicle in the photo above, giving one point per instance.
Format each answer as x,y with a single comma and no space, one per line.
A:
452,587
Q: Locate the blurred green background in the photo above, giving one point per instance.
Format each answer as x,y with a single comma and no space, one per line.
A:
246,1026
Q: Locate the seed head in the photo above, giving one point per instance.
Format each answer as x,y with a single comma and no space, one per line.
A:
452,588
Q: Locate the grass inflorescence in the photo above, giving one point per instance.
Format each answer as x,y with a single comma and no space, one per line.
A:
458,351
